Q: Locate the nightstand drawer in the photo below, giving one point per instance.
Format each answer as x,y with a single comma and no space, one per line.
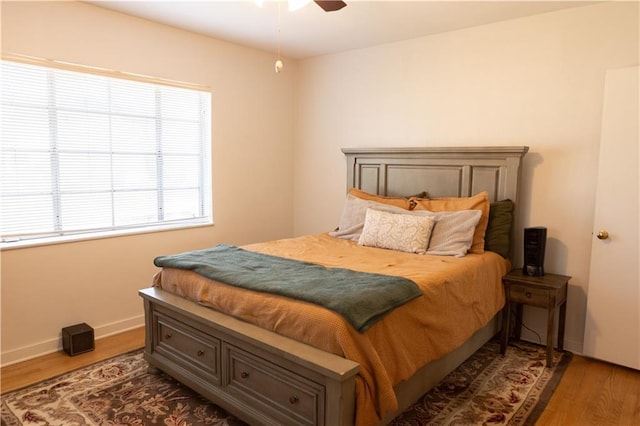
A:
529,295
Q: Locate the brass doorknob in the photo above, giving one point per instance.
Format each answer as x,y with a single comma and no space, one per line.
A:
602,234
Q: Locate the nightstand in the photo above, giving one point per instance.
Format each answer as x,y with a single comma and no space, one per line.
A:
548,291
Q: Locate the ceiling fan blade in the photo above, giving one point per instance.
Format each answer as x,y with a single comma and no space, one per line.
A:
330,5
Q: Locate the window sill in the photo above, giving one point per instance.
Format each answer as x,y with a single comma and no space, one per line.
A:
96,236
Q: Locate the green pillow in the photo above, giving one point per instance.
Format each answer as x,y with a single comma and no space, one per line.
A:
423,194
497,238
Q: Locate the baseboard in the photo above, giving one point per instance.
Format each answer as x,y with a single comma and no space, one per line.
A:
54,345
573,346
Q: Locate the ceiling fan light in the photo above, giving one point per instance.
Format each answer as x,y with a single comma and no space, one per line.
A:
297,4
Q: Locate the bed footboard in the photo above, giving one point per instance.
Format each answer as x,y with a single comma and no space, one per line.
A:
257,375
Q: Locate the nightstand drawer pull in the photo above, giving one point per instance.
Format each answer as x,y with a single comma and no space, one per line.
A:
200,352
293,399
244,374
167,336
528,294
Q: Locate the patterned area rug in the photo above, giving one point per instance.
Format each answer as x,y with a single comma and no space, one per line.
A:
487,389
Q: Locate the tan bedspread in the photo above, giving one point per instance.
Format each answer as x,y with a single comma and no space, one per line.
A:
460,296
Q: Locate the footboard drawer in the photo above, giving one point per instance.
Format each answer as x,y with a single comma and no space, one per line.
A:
286,396
193,349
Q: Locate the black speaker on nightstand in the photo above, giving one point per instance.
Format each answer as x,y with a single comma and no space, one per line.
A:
535,240
77,339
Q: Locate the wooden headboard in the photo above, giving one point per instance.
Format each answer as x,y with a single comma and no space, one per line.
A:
442,172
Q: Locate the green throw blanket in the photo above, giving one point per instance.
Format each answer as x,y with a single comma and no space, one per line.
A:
362,298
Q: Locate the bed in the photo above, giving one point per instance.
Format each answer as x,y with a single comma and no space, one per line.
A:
270,359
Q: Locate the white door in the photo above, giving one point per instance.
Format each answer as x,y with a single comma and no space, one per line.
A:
612,327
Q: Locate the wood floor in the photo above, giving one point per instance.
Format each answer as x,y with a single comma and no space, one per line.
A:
591,393
32,371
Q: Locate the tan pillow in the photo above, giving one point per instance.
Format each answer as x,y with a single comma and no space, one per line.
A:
403,232
479,201
401,202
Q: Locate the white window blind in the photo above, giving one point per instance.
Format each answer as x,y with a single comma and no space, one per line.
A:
84,153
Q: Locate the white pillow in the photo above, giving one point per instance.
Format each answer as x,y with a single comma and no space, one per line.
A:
395,231
452,234
353,215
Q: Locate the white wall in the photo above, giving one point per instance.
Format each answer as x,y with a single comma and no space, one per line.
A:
47,288
536,81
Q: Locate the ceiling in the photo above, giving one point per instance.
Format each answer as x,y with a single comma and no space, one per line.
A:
310,31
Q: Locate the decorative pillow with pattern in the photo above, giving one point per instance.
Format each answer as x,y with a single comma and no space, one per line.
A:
403,232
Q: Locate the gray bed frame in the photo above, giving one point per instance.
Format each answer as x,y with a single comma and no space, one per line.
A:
265,378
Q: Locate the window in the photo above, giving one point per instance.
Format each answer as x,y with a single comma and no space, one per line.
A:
83,153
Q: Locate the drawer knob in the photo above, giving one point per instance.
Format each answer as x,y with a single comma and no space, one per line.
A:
200,352
244,374
528,294
293,399
167,336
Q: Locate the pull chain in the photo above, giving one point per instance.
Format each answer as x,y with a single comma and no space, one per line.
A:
279,64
